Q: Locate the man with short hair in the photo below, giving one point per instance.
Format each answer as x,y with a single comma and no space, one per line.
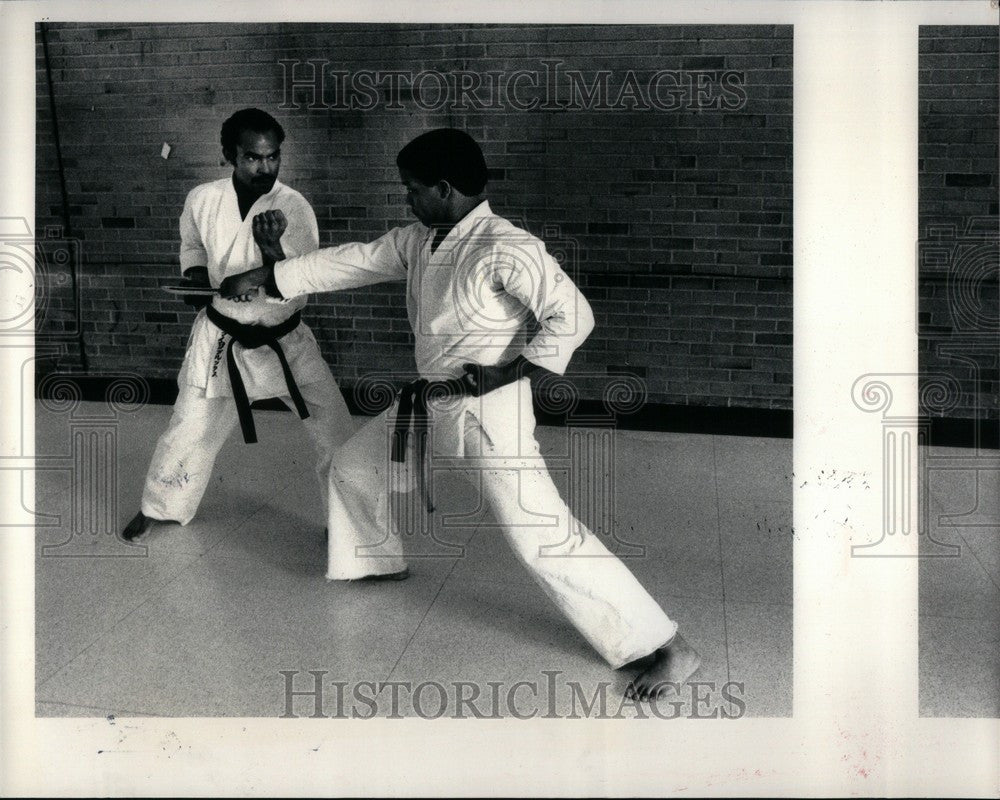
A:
472,280
244,348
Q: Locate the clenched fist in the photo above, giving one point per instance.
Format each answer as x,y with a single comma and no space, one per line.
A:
268,227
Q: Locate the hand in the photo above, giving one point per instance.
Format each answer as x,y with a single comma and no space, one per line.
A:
243,298
245,286
268,227
480,379
197,276
197,300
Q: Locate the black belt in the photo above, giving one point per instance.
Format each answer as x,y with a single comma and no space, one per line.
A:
251,337
412,413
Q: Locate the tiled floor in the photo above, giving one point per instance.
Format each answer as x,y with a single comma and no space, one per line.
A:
960,585
206,618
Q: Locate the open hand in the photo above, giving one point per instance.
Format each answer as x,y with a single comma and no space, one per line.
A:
245,286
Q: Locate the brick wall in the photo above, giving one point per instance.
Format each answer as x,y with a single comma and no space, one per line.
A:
959,185
679,213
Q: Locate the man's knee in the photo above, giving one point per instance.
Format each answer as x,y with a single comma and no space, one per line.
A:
195,424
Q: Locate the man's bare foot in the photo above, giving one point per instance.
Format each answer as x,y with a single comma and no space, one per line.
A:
402,575
665,668
139,525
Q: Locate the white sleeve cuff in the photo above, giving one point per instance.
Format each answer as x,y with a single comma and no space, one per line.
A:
285,279
553,357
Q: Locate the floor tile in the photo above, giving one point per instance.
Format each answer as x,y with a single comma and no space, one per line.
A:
43,709
77,600
479,632
205,620
959,673
755,468
985,547
959,585
678,465
760,656
968,498
757,541
214,642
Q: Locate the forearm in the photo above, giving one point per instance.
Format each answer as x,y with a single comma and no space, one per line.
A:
270,283
272,253
333,269
523,368
564,327
564,316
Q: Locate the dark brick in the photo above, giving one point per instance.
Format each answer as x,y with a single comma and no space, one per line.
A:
117,222
775,259
773,338
967,179
526,147
704,62
111,34
612,228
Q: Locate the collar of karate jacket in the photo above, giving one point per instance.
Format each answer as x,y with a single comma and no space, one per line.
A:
464,225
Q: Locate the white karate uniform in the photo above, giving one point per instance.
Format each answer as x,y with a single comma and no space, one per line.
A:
469,302
214,236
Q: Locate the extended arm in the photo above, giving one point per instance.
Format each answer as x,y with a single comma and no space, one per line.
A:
278,238
330,269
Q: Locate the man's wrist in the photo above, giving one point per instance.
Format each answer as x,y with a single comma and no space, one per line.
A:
270,282
525,368
272,253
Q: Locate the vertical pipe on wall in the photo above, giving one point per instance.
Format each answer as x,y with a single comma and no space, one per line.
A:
67,225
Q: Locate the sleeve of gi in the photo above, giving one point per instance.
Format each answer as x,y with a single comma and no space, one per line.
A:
302,234
563,313
346,266
193,253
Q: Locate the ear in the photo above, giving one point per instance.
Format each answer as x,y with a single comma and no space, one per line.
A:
444,189
229,156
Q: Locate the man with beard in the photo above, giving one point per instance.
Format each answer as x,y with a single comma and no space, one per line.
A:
244,348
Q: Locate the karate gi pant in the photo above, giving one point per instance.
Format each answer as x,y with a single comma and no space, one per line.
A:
185,454
590,585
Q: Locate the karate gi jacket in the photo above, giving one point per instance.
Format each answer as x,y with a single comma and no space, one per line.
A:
214,236
470,301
